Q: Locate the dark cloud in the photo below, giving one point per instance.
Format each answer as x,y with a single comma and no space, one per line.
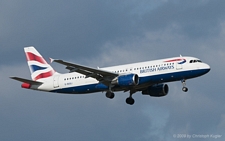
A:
105,33
195,19
78,27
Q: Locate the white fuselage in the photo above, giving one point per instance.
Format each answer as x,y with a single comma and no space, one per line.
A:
149,73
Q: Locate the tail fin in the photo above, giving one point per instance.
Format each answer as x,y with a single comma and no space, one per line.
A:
39,68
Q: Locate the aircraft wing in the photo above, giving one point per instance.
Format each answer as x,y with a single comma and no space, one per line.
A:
26,80
101,75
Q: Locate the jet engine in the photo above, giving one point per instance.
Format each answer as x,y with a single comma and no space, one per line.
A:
157,90
126,80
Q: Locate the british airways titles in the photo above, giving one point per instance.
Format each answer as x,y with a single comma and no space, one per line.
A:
159,68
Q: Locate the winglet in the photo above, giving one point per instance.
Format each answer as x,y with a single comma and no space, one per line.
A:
52,60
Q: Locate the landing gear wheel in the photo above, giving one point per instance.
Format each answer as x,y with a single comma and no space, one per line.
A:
110,95
185,89
130,101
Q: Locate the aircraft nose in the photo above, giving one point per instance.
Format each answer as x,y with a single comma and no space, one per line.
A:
207,68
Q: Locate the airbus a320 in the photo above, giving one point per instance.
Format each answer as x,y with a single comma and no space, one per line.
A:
148,77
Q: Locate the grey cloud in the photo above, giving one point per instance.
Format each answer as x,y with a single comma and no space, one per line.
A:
78,27
196,19
105,33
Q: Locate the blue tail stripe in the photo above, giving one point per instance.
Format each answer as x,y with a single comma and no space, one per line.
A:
36,68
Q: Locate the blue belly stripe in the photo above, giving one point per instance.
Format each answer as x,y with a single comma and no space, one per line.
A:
162,78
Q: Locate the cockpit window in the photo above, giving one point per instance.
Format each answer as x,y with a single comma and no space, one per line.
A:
195,61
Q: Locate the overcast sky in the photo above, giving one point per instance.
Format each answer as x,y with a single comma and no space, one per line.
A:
104,33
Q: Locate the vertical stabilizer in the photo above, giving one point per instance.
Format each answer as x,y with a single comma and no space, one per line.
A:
39,68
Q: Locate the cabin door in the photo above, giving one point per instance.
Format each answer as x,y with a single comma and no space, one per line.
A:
179,66
56,81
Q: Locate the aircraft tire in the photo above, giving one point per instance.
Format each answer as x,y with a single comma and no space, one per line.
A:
130,101
185,89
110,95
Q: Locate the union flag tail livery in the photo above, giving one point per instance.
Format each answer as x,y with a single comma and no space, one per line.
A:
39,68
148,77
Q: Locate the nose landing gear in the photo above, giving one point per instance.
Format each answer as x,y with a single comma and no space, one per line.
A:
185,89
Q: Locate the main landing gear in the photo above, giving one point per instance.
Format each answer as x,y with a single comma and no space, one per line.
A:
110,95
130,100
185,89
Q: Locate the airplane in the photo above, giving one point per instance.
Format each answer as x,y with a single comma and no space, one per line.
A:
149,77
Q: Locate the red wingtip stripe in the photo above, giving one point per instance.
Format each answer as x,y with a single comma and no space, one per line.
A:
32,57
44,75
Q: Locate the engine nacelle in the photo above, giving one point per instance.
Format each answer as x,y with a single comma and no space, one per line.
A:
157,90
126,80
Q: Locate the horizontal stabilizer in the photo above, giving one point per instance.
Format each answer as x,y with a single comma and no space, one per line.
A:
26,81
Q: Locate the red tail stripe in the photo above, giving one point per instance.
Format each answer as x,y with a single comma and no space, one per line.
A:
44,75
32,57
